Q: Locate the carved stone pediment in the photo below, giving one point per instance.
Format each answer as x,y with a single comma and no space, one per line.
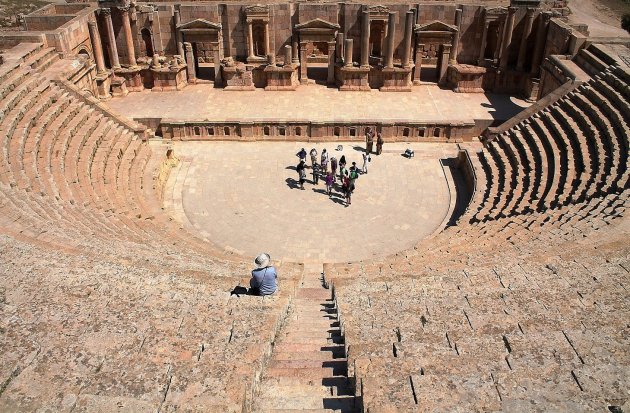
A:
199,24
256,12
317,25
435,26
378,9
378,12
496,11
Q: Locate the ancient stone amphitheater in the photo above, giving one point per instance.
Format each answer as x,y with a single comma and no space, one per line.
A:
518,303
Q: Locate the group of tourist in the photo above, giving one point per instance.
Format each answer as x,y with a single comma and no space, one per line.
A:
326,167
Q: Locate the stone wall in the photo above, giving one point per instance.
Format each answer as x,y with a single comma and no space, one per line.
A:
283,16
318,131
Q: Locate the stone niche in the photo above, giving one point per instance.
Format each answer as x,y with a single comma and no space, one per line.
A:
257,21
206,46
434,41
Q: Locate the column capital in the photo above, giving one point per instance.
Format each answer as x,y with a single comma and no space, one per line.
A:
188,46
512,10
530,11
91,23
124,9
105,11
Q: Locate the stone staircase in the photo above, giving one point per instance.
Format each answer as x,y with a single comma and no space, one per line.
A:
308,368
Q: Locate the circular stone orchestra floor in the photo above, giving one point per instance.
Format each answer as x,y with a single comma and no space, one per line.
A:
244,197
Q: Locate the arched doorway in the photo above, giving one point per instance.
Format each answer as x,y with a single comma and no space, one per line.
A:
147,38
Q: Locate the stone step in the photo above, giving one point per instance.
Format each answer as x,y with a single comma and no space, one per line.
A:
343,403
272,388
313,293
313,333
297,339
339,364
308,355
338,384
311,372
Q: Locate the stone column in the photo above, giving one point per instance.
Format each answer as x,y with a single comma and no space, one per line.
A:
444,58
97,47
111,37
267,47
406,55
529,21
178,34
418,67
331,62
271,59
340,42
131,51
348,53
303,64
287,55
365,39
507,38
217,65
484,38
250,40
391,33
295,52
190,63
541,37
455,49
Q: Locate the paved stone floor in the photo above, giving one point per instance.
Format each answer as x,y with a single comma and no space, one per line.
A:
316,103
243,197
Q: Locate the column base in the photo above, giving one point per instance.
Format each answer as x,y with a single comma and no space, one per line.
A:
351,78
396,79
282,77
103,86
166,79
237,77
132,78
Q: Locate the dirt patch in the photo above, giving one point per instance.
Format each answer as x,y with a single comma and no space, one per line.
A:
602,16
9,9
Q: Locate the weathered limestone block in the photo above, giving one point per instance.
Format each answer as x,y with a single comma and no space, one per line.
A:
352,77
132,77
236,76
282,77
119,86
396,79
466,78
169,77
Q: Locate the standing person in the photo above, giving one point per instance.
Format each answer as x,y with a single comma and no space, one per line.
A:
348,187
330,178
313,154
353,172
324,160
342,172
366,159
369,140
342,161
301,170
301,154
342,167
345,184
333,168
379,143
316,173
264,279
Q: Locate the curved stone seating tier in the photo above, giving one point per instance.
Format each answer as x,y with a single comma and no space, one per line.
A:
572,150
